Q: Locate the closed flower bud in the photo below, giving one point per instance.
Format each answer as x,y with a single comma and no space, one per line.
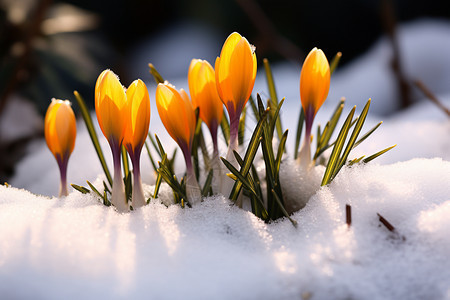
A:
177,115
112,113
136,132
314,86
235,77
60,134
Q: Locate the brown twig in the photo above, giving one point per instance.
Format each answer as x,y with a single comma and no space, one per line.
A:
389,22
268,32
348,214
431,96
386,223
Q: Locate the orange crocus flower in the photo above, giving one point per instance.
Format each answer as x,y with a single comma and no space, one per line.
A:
314,86
112,113
138,121
177,115
235,78
60,134
203,90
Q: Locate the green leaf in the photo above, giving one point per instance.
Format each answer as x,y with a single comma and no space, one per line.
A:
249,155
158,78
94,189
334,62
283,209
366,135
280,155
125,162
225,127
273,97
373,156
329,129
353,137
275,119
241,129
90,127
254,108
81,189
150,156
152,140
337,149
301,120
207,185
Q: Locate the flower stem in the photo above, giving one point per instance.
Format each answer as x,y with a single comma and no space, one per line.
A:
137,199
62,163
193,192
118,190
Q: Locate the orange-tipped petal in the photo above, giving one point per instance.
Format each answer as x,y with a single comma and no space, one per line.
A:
176,113
111,106
203,90
60,128
235,72
314,81
138,116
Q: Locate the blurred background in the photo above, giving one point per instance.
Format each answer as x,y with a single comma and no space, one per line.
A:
48,48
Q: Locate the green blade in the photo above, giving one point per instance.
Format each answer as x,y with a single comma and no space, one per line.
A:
373,156
225,127
81,189
337,149
273,97
334,62
90,127
158,78
285,213
367,134
207,185
241,130
280,152
301,120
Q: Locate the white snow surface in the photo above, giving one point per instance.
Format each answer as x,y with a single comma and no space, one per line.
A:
74,247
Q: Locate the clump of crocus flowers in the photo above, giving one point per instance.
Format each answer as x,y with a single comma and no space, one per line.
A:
60,134
124,118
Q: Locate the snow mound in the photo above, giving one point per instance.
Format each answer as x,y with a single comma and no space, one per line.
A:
75,247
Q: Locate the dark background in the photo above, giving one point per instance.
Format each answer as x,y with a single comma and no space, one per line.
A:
38,65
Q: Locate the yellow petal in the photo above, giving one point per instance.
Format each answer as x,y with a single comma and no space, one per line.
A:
202,87
110,106
60,128
176,113
235,72
314,80
138,116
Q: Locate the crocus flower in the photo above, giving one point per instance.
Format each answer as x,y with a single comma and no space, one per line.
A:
136,132
235,77
314,86
203,90
202,86
60,133
177,115
112,112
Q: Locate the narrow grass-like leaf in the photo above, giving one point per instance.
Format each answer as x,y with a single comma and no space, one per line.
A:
125,162
94,189
81,189
367,134
106,202
355,160
225,127
249,155
152,161
207,185
353,137
280,152
206,158
158,78
373,156
90,127
301,120
337,149
275,119
241,129
106,188
273,97
283,209
160,147
239,176
334,62
152,140
254,108
329,129
128,186
195,143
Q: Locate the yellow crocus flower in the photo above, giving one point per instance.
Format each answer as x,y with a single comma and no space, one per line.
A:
112,113
60,134
136,132
177,115
314,86
203,90
235,78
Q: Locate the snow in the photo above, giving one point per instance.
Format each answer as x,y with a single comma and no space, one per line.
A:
75,247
